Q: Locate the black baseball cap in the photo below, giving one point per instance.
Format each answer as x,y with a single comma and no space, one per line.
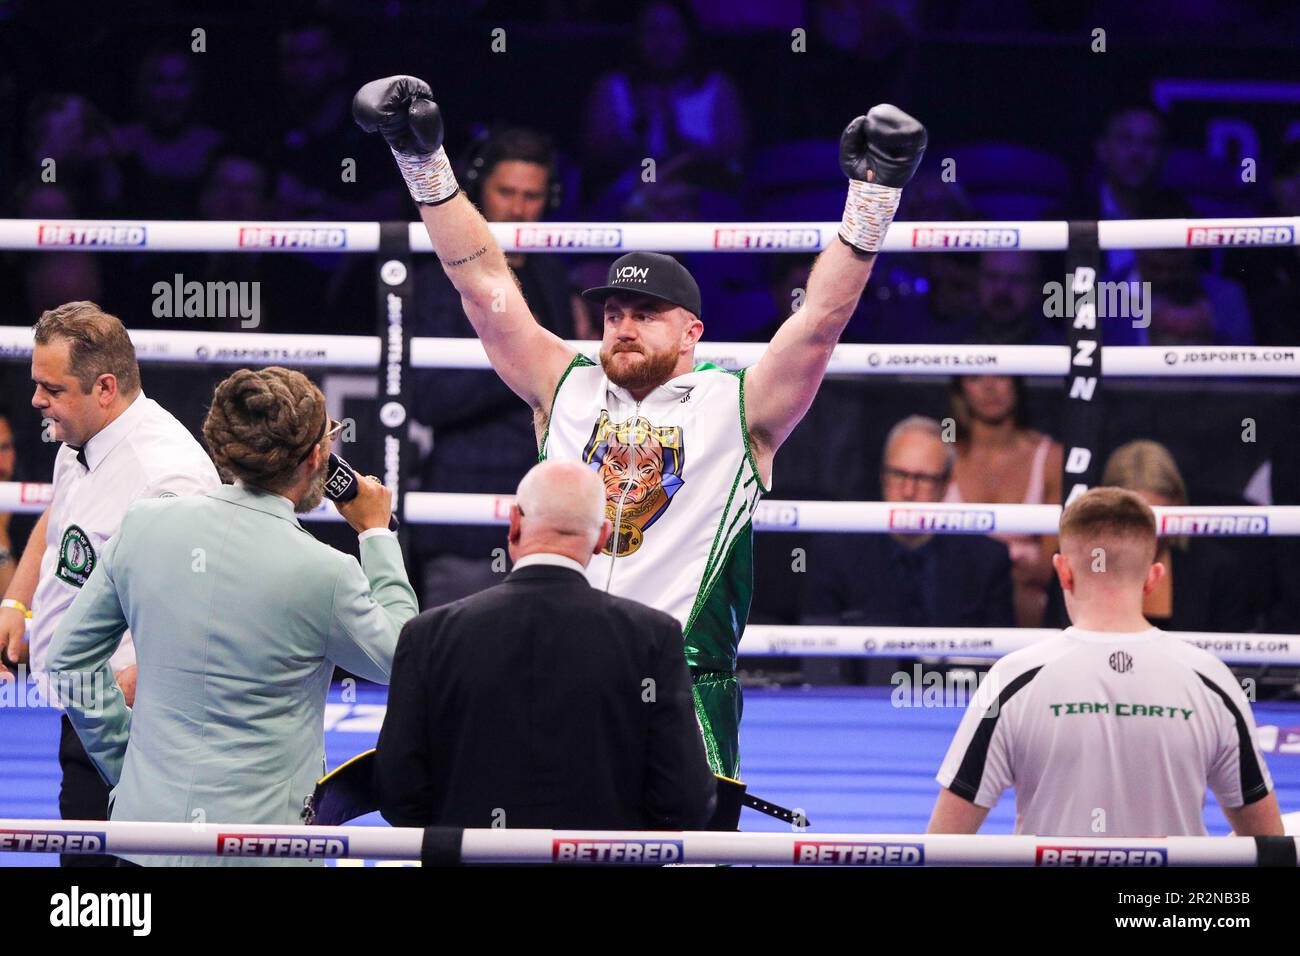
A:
653,274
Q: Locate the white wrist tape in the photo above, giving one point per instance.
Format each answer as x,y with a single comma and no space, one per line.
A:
428,176
868,211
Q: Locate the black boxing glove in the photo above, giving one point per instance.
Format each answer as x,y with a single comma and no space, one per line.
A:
401,108
887,144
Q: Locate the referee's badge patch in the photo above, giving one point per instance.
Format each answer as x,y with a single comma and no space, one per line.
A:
76,557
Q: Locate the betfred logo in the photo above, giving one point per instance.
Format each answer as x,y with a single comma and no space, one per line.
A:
100,235
34,492
273,237
1250,525
766,238
1240,235
826,853
926,519
1100,856
616,851
968,237
263,844
51,841
544,237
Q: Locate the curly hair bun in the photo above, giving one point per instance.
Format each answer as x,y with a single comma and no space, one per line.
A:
262,423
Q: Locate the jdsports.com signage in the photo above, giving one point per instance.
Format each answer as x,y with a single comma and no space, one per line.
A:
394,296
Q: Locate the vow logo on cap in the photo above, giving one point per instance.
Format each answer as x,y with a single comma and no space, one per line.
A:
632,274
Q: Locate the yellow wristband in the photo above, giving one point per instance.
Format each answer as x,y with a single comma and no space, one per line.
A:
17,605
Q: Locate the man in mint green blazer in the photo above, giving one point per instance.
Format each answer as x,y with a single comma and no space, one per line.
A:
239,617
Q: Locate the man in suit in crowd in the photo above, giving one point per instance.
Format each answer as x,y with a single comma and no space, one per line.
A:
239,617
910,579
542,701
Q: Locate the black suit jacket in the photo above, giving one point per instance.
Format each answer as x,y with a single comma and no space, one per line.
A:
542,702
849,580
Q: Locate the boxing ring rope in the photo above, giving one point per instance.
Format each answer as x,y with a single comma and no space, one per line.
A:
876,517
364,237
778,640
450,846
362,351
1045,236
860,517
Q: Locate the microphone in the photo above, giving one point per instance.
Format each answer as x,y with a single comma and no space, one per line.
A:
341,485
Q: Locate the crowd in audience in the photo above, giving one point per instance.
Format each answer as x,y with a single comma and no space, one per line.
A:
920,579
715,157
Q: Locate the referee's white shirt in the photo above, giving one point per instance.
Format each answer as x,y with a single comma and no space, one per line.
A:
1108,734
143,453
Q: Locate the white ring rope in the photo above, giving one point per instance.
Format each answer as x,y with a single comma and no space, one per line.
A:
362,351
776,640
874,517
134,235
651,848
857,517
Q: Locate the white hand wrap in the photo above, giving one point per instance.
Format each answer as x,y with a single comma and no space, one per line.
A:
428,176
868,211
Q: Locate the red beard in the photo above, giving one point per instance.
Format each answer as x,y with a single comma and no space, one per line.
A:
653,369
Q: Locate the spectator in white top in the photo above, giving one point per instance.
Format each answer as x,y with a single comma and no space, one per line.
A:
1111,728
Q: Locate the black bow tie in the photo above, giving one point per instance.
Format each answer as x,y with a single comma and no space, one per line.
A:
81,457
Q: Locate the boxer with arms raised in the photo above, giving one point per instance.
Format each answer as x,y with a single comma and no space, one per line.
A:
685,450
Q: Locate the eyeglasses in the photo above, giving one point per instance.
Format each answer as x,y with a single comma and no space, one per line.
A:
920,477
329,430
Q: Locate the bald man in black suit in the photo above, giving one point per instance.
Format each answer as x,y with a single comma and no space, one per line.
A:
544,702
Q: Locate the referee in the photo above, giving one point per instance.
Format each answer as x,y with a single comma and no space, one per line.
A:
1111,728
118,446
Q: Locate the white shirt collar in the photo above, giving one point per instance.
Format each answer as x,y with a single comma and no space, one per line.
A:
555,560
111,435
1102,637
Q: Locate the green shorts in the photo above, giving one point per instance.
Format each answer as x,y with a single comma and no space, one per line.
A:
717,707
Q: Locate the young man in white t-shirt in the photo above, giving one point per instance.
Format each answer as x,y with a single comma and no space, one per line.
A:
1111,728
